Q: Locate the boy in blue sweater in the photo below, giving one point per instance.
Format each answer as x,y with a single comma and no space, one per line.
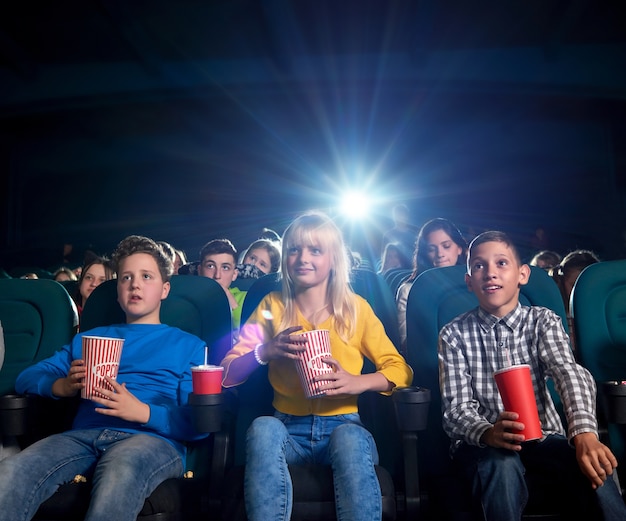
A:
129,442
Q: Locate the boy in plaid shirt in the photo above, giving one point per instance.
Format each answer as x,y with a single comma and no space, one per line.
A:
486,444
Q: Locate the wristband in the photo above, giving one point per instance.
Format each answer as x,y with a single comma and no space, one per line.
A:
257,357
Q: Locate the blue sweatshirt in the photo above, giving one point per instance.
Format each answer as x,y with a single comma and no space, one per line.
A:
155,366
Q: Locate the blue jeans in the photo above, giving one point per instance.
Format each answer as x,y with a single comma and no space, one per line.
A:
123,468
340,441
500,491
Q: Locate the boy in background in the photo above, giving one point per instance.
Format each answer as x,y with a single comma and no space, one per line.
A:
129,442
218,261
486,444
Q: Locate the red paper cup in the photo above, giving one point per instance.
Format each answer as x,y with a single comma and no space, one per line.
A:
102,358
518,395
207,379
310,362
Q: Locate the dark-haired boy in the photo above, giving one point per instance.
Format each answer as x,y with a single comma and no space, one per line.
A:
486,443
218,261
129,442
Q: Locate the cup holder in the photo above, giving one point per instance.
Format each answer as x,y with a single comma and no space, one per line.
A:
13,417
411,405
206,411
614,399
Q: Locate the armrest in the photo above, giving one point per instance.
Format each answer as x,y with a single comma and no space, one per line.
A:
31,417
223,451
411,408
614,401
206,411
13,414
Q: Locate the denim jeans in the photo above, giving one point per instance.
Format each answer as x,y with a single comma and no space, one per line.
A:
340,441
123,468
499,487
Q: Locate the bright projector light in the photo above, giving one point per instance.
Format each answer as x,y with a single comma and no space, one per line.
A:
355,205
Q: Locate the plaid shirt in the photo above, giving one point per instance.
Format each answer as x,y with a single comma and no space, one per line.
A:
475,344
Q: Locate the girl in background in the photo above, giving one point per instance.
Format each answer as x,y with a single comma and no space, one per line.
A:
95,272
439,244
393,258
260,258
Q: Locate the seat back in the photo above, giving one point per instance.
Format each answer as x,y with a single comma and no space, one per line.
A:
392,273
373,288
395,277
598,306
259,288
70,286
437,296
243,283
38,318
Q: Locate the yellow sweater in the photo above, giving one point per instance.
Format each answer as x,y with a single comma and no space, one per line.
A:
369,340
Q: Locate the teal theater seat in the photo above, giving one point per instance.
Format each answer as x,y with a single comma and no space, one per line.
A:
38,318
373,288
395,277
598,305
70,286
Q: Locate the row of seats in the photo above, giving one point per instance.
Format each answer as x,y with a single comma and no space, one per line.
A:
198,305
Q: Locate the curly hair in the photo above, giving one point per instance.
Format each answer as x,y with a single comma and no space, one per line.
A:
139,244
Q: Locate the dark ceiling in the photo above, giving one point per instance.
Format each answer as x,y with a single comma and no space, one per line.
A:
257,95
56,54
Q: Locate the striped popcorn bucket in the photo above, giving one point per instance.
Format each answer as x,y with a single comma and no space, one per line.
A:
102,358
310,362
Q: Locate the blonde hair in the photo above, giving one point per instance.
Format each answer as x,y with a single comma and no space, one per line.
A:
316,228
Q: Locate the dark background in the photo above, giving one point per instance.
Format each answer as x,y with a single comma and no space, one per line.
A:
189,120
